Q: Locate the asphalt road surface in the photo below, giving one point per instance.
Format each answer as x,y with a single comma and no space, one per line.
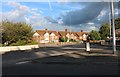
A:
61,60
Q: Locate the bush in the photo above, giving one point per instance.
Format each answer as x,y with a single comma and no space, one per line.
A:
72,40
20,42
13,44
63,39
33,42
23,42
0,44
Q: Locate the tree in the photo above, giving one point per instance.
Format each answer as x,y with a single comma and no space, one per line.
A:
117,23
14,32
95,35
0,34
104,31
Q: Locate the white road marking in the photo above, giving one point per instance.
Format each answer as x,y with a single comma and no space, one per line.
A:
23,62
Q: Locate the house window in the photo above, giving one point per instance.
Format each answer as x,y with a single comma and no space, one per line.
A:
35,36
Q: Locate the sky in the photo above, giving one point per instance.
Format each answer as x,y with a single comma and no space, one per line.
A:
74,16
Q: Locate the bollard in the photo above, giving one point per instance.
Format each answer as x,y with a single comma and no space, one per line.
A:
87,46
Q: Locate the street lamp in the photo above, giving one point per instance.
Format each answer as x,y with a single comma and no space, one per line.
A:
70,22
113,27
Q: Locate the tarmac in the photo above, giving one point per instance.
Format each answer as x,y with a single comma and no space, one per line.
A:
62,60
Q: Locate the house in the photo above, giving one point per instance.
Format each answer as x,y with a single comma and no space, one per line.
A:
82,35
50,36
46,36
68,35
64,34
117,32
74,36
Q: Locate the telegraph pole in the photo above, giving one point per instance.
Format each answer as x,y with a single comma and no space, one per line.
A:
113,27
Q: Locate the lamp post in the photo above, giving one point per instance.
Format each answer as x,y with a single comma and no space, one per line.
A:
70,27
113,27
70,22
109,21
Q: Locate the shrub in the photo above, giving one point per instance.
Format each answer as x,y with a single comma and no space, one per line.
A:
32,43
23,42
13,44
20,42
0,44
72,40
63,39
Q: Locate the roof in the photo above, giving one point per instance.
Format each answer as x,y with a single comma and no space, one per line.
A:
81,33
75,34
60,33
63,33
55,32
42,32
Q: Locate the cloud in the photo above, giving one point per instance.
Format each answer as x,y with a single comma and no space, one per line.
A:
22,13
19,6
63,1
17,14
90,12
34,9
90,17
102,14
49,19
90,23
88,27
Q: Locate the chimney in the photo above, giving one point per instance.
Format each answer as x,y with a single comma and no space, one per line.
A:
46,29
81,30
65,30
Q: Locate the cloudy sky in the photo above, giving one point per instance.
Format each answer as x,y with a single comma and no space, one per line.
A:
74,16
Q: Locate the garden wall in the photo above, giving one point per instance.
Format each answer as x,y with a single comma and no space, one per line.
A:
14,48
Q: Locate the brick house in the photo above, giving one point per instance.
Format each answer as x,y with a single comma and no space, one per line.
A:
69,35
117,32
49,36
46,36
82,35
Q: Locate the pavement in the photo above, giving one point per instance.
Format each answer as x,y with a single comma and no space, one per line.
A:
62,60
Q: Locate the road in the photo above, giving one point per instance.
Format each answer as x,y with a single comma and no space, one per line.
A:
61,60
